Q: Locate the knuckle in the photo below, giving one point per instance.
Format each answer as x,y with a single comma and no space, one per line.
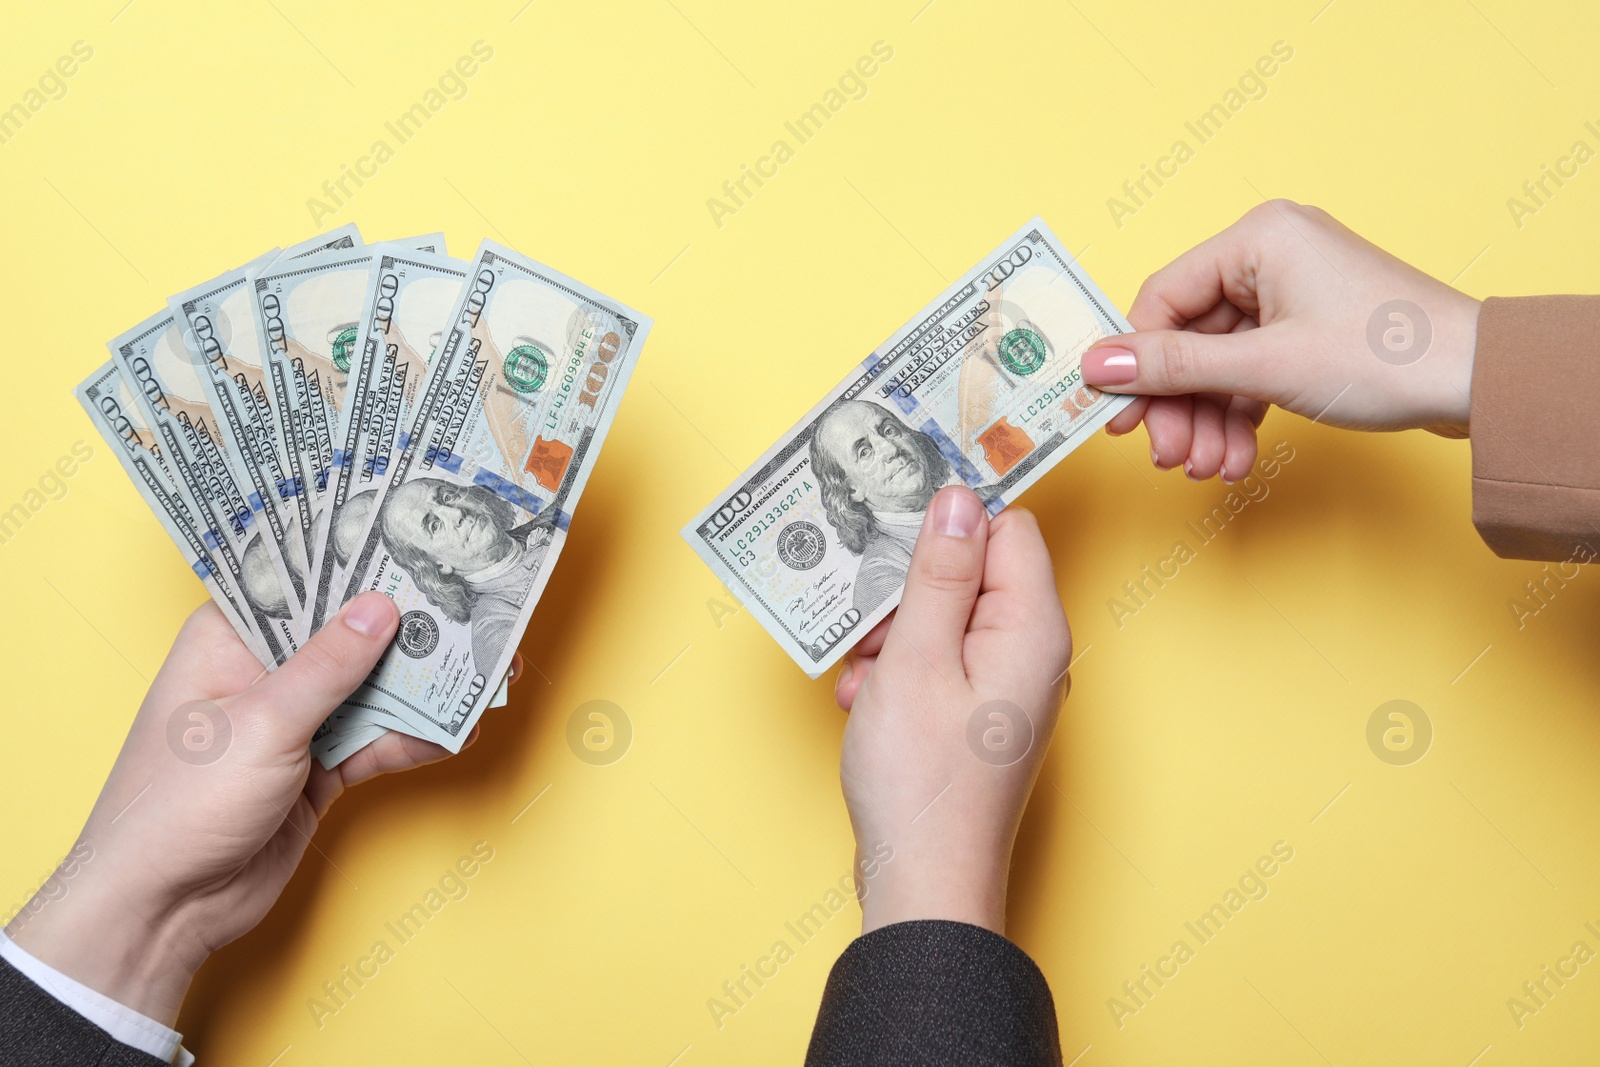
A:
323,662
1149,292
1176,360
1207,449
1279,207
947,574
1262,214
1152,306
1278,216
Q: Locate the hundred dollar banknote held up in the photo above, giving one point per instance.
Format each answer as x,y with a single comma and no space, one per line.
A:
983,388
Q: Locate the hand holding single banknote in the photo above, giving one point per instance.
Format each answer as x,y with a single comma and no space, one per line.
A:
984,388
952,702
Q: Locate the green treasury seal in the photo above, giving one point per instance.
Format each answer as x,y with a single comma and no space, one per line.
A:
1022,351
526,368
344,344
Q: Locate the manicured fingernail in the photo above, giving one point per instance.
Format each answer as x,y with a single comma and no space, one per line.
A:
1222,472
1188,469
369,614
1109,366
844,675
1155,458
956,513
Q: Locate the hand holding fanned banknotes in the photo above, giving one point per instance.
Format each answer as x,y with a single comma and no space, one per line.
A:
339,417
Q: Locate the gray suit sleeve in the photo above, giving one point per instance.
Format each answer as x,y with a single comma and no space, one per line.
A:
935,992
37,1030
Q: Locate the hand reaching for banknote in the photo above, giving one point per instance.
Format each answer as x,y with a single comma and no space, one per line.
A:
1285,307
210,806
952,703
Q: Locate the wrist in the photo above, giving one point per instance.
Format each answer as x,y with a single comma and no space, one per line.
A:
123,948
1457,348
959,885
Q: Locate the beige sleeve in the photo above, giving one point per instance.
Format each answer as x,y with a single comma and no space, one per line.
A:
1536,427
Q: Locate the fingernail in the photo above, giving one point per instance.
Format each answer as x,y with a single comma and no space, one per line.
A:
844,675
369,614
1188,469
1109,366
956,513
1155,458
1222,472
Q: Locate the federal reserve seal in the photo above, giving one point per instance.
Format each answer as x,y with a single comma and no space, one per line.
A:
801,545
1022,351
344,345
418,635
526,368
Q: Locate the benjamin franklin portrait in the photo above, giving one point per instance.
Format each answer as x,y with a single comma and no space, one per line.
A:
468,554
877,477
258,580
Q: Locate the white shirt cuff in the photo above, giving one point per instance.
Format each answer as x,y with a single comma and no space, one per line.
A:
118,1020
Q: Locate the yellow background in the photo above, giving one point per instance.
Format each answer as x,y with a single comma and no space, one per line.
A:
1221,718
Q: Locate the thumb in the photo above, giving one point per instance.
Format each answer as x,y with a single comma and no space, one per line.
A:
942,582
1169,362
297,696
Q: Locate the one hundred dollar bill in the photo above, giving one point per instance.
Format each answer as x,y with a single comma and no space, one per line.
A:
218,329
983,388
220,333
408,300
166,382
127,428
475,511
307,314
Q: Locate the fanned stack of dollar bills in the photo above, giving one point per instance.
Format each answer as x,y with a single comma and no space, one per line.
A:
340,416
